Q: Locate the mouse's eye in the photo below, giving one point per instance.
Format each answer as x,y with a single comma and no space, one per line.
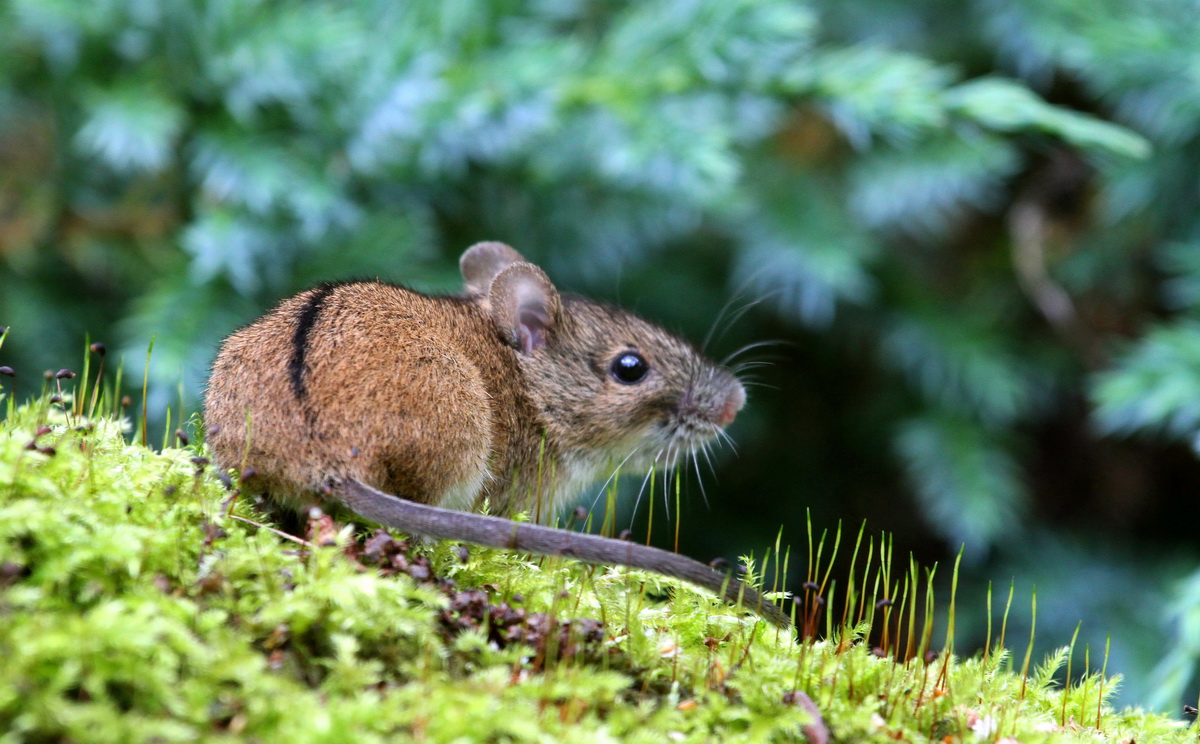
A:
629,368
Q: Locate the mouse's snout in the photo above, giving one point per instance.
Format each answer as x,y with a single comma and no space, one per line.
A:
735,398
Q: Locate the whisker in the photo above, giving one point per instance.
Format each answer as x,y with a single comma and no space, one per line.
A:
699,479
748,378
612,475
759,384
638,501
738,369
673,455
708,459
723,436
733,319
668,472
751,346
708,337
729,322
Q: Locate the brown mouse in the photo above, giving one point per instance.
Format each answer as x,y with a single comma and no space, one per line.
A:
510,394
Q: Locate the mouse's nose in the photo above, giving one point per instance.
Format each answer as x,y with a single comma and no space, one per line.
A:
734,400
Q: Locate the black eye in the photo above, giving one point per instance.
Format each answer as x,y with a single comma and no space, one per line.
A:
629,368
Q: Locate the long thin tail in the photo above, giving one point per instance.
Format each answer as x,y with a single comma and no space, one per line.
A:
494,532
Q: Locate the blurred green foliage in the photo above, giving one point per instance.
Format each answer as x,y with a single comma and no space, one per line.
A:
973,225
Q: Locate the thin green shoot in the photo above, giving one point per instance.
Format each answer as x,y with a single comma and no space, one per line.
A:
944,680
145,386
1103,672
182,408
930,611
166,437
837,541
77,401
608,527
914,580
850,585
11,400
987,643
900,590
1012,584
118,400
865,612
778,565
98,349
1029,648
787,559
890,591
1062,719
1085,680
812,588
808,577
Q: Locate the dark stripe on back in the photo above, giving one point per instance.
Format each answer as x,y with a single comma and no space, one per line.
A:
305,320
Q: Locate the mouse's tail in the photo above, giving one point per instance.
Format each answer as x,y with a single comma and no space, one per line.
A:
495,532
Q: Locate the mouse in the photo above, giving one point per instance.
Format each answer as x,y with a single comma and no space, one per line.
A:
417,410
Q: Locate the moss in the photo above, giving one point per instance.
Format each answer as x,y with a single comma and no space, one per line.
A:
135,605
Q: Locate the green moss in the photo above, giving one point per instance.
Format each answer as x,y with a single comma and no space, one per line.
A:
133,607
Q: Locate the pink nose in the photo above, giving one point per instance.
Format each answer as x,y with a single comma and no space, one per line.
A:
733,403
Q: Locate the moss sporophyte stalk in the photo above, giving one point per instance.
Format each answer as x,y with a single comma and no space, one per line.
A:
145,598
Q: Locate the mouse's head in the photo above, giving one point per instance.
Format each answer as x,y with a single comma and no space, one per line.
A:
610,386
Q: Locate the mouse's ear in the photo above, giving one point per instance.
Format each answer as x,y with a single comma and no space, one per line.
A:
524,305
482,262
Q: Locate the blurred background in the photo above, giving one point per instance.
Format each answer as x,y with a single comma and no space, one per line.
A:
969,226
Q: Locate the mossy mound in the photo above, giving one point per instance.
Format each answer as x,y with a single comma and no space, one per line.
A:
136,606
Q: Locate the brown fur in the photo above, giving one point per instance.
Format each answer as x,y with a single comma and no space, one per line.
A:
395,396
505,394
